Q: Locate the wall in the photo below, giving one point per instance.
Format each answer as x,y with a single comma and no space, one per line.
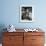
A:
10,13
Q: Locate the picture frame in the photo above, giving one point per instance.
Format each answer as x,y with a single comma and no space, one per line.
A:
26,13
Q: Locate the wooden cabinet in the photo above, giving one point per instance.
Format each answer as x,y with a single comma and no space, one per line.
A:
23,38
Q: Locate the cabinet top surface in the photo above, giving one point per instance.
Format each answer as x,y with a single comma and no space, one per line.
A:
22,30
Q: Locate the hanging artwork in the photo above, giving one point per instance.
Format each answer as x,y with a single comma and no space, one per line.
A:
26,13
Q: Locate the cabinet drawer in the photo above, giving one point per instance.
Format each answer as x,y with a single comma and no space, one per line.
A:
20,44
34,33
8,45
37,44
37,39
13,33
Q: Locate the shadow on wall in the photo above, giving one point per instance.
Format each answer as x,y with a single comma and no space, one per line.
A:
2,26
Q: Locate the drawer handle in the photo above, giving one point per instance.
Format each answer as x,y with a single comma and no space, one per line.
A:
33,39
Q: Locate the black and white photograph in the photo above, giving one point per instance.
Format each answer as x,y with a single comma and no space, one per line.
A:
26,13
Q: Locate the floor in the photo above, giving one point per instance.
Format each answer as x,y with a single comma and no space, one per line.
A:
0,44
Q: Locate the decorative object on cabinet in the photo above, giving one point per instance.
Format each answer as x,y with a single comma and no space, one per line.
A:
26,30
11,28
26,13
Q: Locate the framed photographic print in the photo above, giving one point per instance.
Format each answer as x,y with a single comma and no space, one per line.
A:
26,13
